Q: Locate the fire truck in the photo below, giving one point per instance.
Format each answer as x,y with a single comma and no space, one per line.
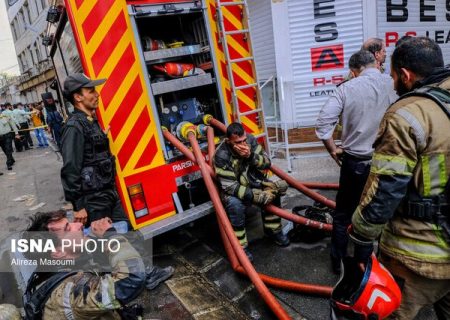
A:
167,62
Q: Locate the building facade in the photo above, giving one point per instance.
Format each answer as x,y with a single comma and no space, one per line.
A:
28,23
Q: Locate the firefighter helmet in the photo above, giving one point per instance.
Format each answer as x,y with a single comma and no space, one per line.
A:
370,294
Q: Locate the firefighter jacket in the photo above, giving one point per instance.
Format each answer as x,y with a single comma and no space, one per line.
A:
411,157
89,295
237,176
88,165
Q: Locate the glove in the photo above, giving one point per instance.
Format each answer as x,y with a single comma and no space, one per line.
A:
282,187
279,187
363,247
263,197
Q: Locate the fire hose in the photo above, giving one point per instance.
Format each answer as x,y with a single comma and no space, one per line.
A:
234,250
300,186
228,230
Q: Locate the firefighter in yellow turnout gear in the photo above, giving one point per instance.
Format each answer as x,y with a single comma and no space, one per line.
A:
404,199
238,163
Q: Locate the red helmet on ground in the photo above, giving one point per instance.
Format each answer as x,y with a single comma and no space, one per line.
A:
370,294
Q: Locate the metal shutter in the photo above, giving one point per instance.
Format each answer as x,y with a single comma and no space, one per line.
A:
262,37
348,17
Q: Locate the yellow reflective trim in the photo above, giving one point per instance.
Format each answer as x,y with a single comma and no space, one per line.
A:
443,176
239,233
414,248
258,149
426,176
241,192
272,218
224,173
260,160
272,226
391,165
438,233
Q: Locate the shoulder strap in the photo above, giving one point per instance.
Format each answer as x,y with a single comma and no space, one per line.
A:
35,299
440,96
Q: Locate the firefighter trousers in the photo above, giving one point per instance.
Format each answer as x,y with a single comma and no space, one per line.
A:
418,291
237,211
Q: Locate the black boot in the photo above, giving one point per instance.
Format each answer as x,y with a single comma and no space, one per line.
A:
156,275
279,238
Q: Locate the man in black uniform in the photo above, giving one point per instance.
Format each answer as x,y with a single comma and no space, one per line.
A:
89,168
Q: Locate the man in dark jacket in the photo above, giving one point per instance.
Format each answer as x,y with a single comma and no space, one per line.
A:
88,172
239,163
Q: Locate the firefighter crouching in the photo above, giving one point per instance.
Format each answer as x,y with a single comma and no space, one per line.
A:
239,162
88,172
405,197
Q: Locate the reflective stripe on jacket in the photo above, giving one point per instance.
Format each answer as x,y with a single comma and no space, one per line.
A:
233,172
412,150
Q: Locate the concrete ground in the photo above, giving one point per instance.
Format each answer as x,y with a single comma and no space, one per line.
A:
204,286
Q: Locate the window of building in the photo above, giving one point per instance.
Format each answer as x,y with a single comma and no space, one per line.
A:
21,21
26,14
13,31
32,56
44,4
38,52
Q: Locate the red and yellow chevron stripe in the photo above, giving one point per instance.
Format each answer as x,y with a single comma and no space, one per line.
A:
106,43
243,72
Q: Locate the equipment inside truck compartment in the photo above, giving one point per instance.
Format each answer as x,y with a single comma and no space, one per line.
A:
179,63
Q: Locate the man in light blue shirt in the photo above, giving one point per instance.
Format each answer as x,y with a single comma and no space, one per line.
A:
360,103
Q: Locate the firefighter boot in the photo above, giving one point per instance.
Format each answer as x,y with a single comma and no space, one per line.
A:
156,275
272,229
279,238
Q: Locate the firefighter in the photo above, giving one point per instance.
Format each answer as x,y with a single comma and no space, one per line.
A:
360,103
77,291
404,199
7,125
88,172
238,163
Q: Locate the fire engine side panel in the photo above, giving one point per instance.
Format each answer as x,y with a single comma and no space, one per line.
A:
106,42
243,72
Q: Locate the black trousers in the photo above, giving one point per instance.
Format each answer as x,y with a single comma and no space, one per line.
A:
6,145
103,204
353,176
27,142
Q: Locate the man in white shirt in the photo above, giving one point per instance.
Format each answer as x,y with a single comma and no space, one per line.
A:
361,103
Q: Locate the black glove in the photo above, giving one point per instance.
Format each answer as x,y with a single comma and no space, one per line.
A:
363,247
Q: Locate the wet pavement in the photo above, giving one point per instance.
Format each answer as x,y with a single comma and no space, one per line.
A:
204,285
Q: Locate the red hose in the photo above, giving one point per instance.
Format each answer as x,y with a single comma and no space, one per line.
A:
274,282
301,187
298,219
321,185
273,304
275,210
211,145
290,180
184,150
